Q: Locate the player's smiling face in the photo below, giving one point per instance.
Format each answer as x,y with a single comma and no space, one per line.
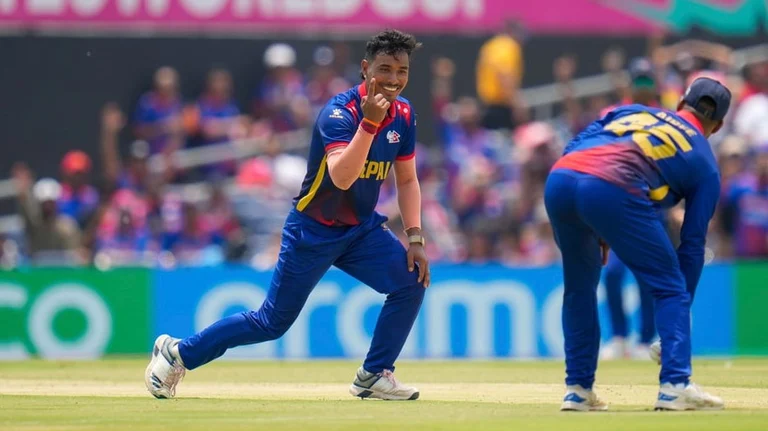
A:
390,72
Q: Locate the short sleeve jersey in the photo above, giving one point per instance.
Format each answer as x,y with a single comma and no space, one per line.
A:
335,127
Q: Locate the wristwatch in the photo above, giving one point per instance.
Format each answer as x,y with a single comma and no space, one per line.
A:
416,239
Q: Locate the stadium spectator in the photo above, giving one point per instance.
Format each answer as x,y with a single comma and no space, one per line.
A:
749,121
443,71
466,140
325,81
135,173
747,199
499,74
158,118
281,98
731,160
51,238
196,243
219,215
214,119
538,147
123,236
218,110
78,198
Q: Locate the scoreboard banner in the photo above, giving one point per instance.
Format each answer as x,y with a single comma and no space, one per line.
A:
442,16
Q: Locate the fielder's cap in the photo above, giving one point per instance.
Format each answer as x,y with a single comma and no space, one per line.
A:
708,88
641,68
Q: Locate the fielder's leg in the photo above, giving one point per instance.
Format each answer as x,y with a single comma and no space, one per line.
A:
378,259
640,240
647,322
581,272
304,258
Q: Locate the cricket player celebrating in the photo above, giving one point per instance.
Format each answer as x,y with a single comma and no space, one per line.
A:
605,192
358,138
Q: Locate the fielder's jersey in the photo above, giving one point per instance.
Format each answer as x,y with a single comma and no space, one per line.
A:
336,125
662,155
646,150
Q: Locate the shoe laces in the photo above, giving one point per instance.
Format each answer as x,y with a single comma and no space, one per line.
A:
175,376
389,375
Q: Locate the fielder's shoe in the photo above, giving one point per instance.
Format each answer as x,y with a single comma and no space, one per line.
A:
382,385
682,397
578,399
654,351
165,370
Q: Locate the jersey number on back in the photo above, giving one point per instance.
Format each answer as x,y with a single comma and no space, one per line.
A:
644,125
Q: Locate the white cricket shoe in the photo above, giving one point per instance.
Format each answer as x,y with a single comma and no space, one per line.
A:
578,399
690,397
654,351
382,385
165,370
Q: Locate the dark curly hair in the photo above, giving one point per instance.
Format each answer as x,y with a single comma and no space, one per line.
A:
390,42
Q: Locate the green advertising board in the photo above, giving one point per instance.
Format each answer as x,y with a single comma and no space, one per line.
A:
75,313
751,308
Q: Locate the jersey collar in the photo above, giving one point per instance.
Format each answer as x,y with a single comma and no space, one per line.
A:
689,117
363,91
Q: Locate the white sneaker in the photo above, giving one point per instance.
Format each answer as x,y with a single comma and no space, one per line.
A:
654,351
690,397
165,370
578,399
615,349
382,385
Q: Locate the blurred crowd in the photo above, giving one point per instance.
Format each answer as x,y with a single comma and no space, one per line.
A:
482,180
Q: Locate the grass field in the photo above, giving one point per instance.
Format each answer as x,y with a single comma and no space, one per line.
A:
110,395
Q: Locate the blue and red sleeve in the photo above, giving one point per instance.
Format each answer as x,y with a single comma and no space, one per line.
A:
337,126
408,147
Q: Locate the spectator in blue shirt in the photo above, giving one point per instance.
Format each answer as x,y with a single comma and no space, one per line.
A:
157,118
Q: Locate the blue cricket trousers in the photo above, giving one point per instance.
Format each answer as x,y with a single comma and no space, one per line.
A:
613,278
582,209
369,252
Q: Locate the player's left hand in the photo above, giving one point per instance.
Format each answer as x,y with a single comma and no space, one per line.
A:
417,255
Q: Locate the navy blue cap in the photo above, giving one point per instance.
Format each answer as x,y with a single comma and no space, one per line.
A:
641,67
709,88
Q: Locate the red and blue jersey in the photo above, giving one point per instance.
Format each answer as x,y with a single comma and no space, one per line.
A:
646,150
661,155
336,125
